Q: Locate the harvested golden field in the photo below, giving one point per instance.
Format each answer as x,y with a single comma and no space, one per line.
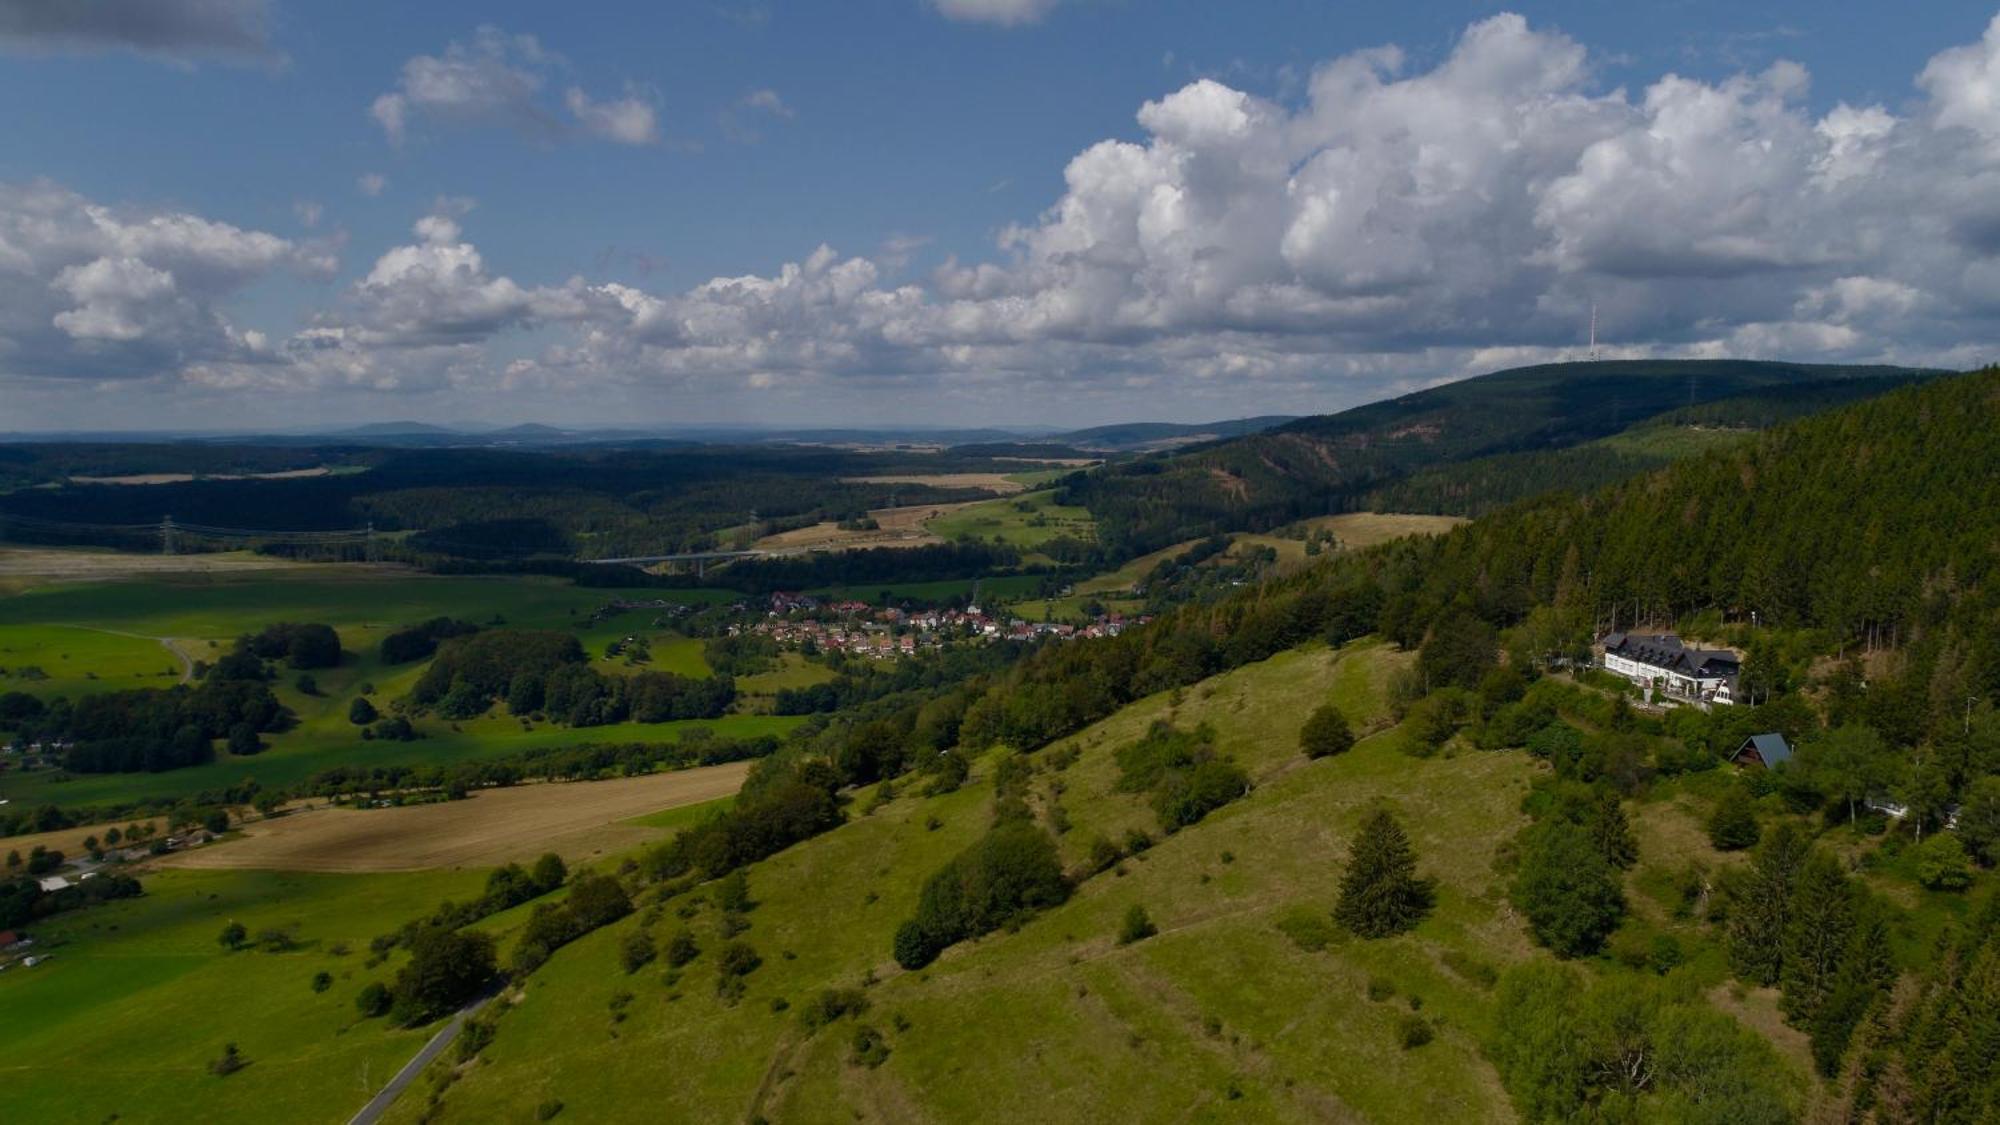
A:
580,821
997,482
1357,530
69,841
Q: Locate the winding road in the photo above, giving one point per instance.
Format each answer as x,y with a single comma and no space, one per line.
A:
380,1103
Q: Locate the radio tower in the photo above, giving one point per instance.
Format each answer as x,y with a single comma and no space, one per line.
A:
1593,331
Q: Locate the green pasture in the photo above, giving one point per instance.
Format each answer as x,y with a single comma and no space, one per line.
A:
138,997
72,660
1027,521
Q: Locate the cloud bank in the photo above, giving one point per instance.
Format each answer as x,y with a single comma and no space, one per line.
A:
1393,226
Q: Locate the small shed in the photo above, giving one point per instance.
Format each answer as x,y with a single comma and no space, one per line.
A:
1765,750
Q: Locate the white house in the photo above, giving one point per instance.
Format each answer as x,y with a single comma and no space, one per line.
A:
1661,662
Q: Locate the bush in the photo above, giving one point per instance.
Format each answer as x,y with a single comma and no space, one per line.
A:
1007,875
871,1047
681,949
230,1062
1415,1032
737,959
833,1004
1942,864
1571,894
234,936
1137,926
374,1000
637,951
1733,825
361,712
1326,733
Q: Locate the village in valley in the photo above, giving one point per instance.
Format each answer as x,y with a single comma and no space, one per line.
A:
808,624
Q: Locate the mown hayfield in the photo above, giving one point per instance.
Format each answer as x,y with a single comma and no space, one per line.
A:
139,997
581,821
1220,1017
71,660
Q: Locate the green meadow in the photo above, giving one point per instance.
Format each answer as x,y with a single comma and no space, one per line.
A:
73,660
1027,521
138,997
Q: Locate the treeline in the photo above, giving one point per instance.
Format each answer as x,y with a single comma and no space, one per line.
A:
583,762
22,899
546,673
863,681
153,730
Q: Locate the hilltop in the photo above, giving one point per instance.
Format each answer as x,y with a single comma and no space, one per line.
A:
1329,463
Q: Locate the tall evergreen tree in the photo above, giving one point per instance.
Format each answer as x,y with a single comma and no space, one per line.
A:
1381,894
1760,906
1816,936
1612,831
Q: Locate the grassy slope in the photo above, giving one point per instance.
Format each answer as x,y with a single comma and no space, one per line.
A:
1055,1021
139,997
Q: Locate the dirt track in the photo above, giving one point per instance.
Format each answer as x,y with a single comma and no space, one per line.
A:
578,820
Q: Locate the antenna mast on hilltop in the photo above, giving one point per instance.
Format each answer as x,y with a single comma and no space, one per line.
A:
1593,331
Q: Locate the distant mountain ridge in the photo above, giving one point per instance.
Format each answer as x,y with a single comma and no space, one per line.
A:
1328,463
1127,436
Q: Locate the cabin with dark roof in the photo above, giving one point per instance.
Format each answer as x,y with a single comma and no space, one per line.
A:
1766,751
1660,661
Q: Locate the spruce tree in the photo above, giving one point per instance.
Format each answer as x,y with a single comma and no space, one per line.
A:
1760,906
1816,936
1381,893
1612,832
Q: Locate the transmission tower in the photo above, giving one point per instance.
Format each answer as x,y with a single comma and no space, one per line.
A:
166,535
1593,331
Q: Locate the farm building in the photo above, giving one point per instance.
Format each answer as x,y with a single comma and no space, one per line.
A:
1765,750
1660,661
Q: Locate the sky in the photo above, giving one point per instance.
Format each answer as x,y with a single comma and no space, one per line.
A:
269,214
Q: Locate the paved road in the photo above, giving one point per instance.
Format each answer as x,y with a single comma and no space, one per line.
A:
380,1103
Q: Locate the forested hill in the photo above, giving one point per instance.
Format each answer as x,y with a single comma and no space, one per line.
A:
1876,522
1327,463
1483,484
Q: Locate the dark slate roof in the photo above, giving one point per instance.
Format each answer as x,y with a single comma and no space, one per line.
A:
1664,650
1771,747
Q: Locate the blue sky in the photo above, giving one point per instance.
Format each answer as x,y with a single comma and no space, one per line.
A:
182,189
